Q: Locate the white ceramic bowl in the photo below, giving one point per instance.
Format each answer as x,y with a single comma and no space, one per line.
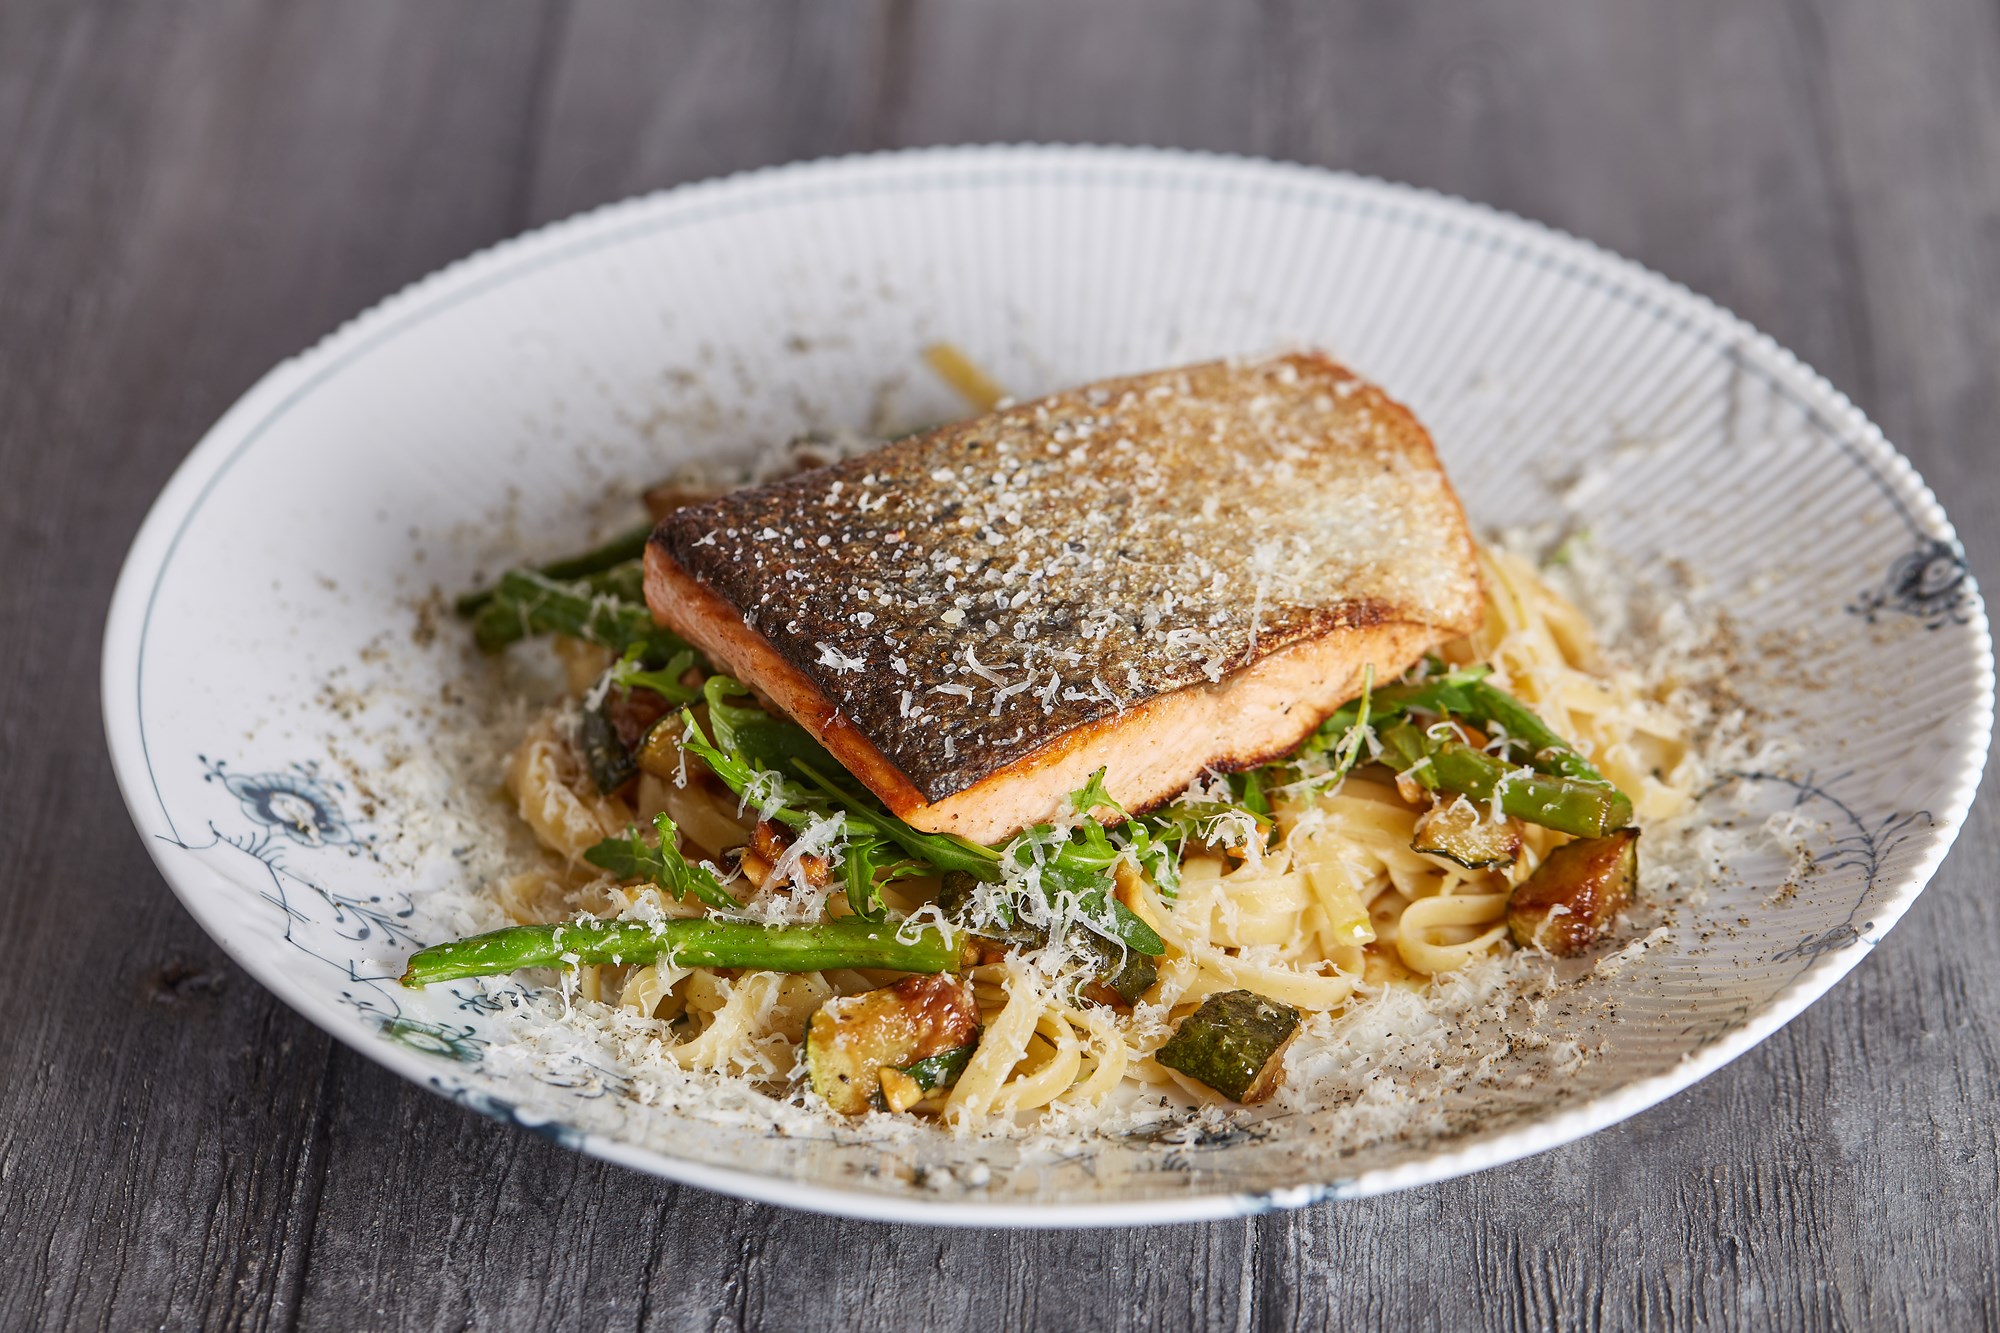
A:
260,660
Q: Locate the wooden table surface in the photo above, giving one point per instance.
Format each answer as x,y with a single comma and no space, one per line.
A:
193,189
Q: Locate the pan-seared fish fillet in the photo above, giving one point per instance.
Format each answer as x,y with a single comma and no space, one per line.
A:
1155,576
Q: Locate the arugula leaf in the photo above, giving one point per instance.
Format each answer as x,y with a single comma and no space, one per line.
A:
1350,745
607,608
1093,794
1131,931
1404,746
1194,819
629,672
768,742
627,857
1159,858
857,863
942,1070
747,780
1249,787
632,857
1083,871
1097,847
747,738
620,553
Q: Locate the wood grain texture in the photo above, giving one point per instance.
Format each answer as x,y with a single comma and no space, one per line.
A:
191,189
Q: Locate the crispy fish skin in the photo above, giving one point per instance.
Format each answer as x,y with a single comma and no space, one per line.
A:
1176,571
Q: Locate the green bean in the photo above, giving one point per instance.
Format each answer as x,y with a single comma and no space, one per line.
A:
691,942
1446,693
1467,694
625,547
526,603
1548,752
1586,809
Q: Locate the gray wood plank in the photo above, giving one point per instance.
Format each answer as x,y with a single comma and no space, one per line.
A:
190,190
645,95
1172,72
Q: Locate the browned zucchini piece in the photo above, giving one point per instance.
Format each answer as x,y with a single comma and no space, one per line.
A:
611,735
1573,896
1235,1043
1459,831
854,1038
1122,975
1121,986
604,756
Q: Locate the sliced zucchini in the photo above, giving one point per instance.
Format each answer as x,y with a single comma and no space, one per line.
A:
1459,831
1235,1043
604,755
611,737
954,897
1123,975
1573,896
853,1039
958,899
